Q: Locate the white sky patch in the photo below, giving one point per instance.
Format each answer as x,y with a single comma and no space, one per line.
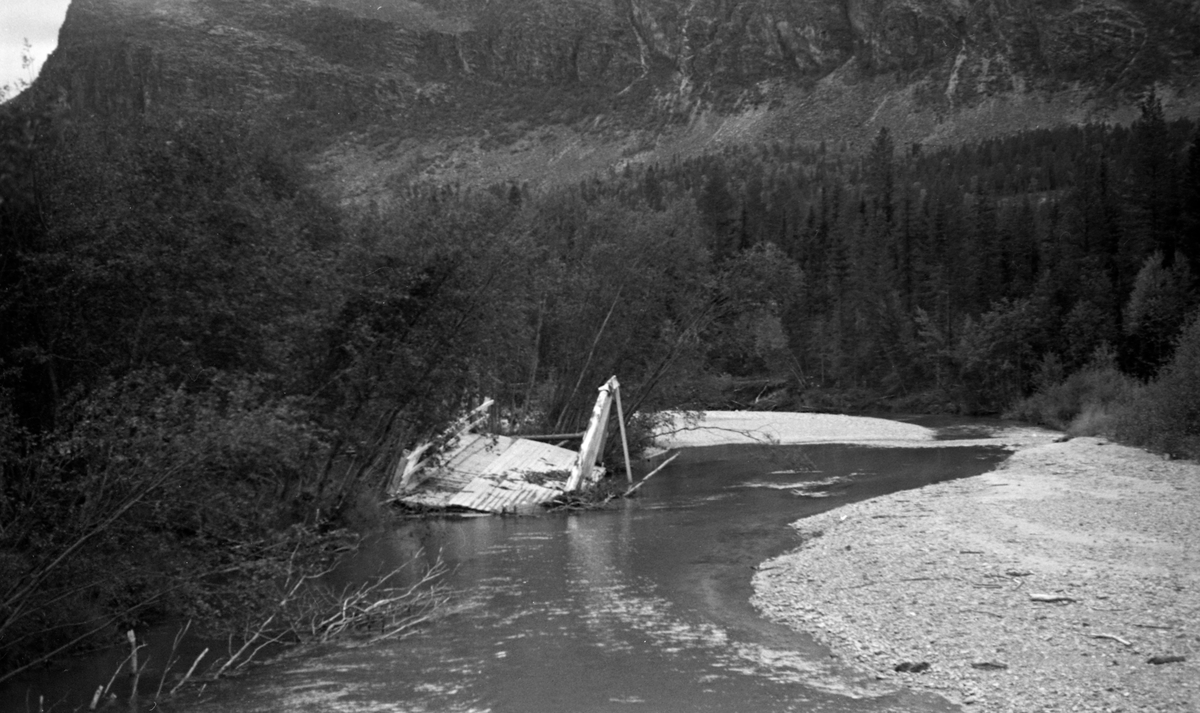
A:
35,20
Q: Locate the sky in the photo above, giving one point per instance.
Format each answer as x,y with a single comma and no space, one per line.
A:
35,20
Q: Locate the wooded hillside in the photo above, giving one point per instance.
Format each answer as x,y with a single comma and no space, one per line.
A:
205,363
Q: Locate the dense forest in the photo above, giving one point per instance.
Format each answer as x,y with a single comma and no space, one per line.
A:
957,279
206,363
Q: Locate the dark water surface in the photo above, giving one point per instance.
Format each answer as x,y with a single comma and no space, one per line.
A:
644,607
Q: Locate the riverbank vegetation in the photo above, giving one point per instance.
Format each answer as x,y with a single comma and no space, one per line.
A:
208,363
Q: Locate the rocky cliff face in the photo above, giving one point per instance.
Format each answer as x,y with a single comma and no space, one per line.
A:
1102,42
431,69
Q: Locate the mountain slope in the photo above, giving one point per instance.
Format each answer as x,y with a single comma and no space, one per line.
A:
541,91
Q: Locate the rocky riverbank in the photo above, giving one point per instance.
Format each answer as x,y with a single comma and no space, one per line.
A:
1067,580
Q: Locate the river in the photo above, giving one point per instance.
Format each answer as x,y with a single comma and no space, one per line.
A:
643,607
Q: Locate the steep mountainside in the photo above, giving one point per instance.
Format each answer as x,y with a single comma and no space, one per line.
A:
546,90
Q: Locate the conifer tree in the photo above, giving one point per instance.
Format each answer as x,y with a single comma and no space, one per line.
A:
1189,245
1154,183
719,211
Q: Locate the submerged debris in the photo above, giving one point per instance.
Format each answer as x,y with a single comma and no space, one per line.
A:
464,470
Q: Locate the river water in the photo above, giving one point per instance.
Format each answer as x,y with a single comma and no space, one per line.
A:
641,607
644,607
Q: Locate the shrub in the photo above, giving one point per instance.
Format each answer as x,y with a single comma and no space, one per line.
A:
1165,415
151,500
1084,403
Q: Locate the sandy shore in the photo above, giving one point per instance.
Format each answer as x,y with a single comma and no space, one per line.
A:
769,427
1047,585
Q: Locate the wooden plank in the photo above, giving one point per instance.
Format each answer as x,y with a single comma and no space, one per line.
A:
494,493
472,458
495,474
543,459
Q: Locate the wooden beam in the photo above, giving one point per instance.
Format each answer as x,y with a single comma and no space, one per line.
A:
551,436
624,439
649,475
590,447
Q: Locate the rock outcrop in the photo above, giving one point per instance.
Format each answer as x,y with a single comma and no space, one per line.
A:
443,68
136,49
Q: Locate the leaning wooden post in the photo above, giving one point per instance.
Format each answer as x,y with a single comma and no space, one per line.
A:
624,440
592,438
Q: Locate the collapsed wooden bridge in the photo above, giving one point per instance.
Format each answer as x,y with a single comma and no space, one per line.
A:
492,473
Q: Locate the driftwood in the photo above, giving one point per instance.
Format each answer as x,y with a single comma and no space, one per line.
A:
981,611
1112,637
1052,598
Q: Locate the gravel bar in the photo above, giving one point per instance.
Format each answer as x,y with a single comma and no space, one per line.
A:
1066,580
780,428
